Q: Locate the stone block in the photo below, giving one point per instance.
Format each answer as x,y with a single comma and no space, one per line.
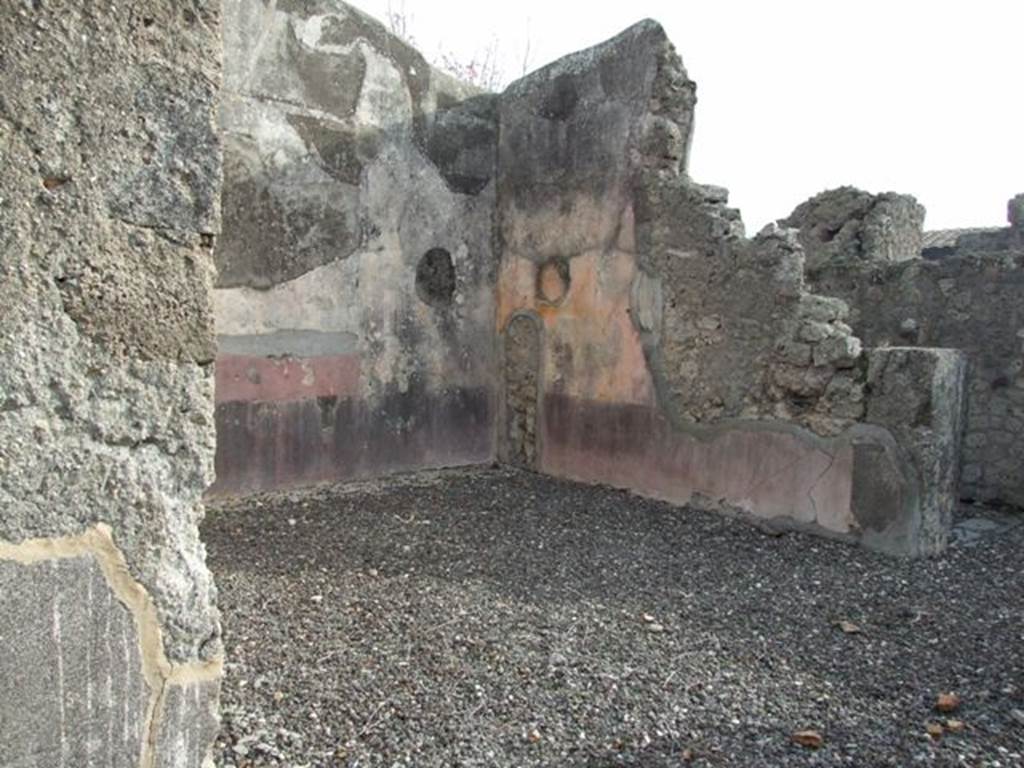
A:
917,395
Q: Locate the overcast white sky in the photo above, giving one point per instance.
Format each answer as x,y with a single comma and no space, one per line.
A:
797,96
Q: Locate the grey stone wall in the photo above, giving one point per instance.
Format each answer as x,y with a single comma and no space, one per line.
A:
850,224
741,336
110,168
968,298
972,301
355,297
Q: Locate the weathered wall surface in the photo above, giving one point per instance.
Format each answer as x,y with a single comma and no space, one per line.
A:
645,340
355,301
972,300
852,225
678,357
111,180
521,346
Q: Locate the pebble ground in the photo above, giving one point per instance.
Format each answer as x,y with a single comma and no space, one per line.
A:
500,618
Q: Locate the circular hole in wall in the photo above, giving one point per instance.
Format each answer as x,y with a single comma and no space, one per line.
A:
435,278
553,281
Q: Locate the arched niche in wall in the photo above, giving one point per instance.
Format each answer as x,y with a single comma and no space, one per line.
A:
521,344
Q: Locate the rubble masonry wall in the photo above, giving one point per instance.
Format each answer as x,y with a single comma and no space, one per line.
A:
972,300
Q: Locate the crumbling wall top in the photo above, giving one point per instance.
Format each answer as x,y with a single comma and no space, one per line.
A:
849,224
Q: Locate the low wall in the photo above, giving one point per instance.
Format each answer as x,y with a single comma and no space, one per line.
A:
111,165
889,484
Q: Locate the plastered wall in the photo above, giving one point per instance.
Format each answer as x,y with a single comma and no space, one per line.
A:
677,357
415,275
355,297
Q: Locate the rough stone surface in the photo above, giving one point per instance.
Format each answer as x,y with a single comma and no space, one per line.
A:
522,345
358,209
799,360
850,224
111,170
972,301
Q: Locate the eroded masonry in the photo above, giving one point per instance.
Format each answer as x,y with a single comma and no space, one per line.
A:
406,273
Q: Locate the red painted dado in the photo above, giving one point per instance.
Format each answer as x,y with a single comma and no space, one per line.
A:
771,474
264,446
276,379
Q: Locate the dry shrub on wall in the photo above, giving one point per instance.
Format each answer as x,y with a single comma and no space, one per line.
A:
483,69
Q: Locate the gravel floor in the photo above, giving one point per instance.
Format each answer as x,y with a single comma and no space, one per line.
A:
498,618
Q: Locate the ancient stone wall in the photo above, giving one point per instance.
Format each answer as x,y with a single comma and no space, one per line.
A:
355,298
388,232
679,358
109,205
972,300
852,225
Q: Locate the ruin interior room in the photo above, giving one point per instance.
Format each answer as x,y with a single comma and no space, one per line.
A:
352,415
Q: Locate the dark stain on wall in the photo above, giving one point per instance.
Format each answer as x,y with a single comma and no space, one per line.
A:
878,489
264,214
561,98
265,445
463,141
343,151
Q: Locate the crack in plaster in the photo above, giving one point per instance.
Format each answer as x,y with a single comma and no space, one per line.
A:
818,479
